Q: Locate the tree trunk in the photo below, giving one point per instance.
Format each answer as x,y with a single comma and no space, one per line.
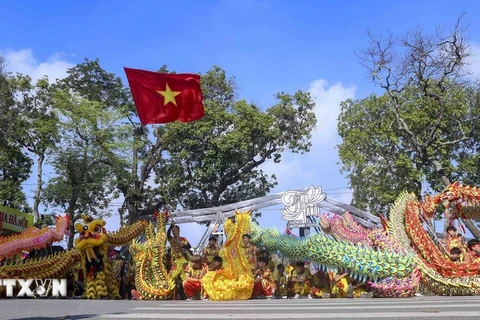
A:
472,227
72,234
131,208
38,191
132,212
71,214
121,214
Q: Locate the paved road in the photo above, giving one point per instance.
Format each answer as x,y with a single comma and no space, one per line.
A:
414,308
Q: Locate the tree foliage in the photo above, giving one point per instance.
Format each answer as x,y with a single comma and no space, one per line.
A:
91,131
85,128
40,125
216,160
15,165
422,130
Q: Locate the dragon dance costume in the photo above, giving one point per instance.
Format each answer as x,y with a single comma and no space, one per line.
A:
235,280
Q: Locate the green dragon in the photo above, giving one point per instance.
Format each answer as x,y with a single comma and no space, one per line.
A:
385,258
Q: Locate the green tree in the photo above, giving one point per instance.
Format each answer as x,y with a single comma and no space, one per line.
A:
40,129
413,136
216,160
15,165
91,132
130,158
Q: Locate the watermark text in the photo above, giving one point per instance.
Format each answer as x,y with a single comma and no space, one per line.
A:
35,287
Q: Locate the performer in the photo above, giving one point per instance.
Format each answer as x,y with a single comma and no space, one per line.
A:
474,248
339,284
250,251
453,239
456,255
180,253
266,254
301,280
320,285
194,273
211,251
180,245
217,264
280,281
263,285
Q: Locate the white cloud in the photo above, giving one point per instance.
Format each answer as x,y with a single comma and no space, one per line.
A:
319,166
296,169
327,109
23,61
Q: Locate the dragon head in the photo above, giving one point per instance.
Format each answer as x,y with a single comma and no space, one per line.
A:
92,233
450,193
325,223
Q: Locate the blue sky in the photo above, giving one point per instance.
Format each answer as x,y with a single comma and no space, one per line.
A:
269,46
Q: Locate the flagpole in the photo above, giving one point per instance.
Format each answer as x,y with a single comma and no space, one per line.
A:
151,91
150,147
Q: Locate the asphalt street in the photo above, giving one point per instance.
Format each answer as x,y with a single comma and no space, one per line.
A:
412,308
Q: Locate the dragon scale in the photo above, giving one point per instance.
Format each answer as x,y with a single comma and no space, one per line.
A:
361,261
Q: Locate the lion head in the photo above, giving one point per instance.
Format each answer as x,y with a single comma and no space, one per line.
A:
92,233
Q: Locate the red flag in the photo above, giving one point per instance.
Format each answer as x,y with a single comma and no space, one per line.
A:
162,97
289,232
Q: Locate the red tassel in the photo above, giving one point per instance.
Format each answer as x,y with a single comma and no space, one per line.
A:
91,272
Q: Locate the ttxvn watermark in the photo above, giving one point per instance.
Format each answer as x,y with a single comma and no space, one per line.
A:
35,287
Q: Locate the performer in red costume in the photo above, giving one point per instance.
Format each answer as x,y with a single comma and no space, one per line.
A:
264,284
193,277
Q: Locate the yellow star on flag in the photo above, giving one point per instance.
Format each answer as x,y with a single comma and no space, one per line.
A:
169,95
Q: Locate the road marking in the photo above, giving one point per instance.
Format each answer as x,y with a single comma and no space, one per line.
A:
308,302
318,307
229,315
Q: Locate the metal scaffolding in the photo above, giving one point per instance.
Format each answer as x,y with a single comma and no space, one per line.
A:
217,215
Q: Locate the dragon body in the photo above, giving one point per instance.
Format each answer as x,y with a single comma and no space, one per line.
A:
235,280
395,259
361,261
87,250
345,228
152,280
33,238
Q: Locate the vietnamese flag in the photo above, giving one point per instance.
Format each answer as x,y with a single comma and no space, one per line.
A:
163,98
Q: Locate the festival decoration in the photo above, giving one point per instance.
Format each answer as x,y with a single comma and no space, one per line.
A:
345,227
235,280
362,262
152,280
394,259
50,267
33,238
57,265
406,226
93,243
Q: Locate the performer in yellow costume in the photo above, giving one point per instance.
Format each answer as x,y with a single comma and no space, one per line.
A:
280,281
339,284
235,280
210,251
301,280
180,250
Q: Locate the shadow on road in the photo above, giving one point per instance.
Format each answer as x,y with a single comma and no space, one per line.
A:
80,316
